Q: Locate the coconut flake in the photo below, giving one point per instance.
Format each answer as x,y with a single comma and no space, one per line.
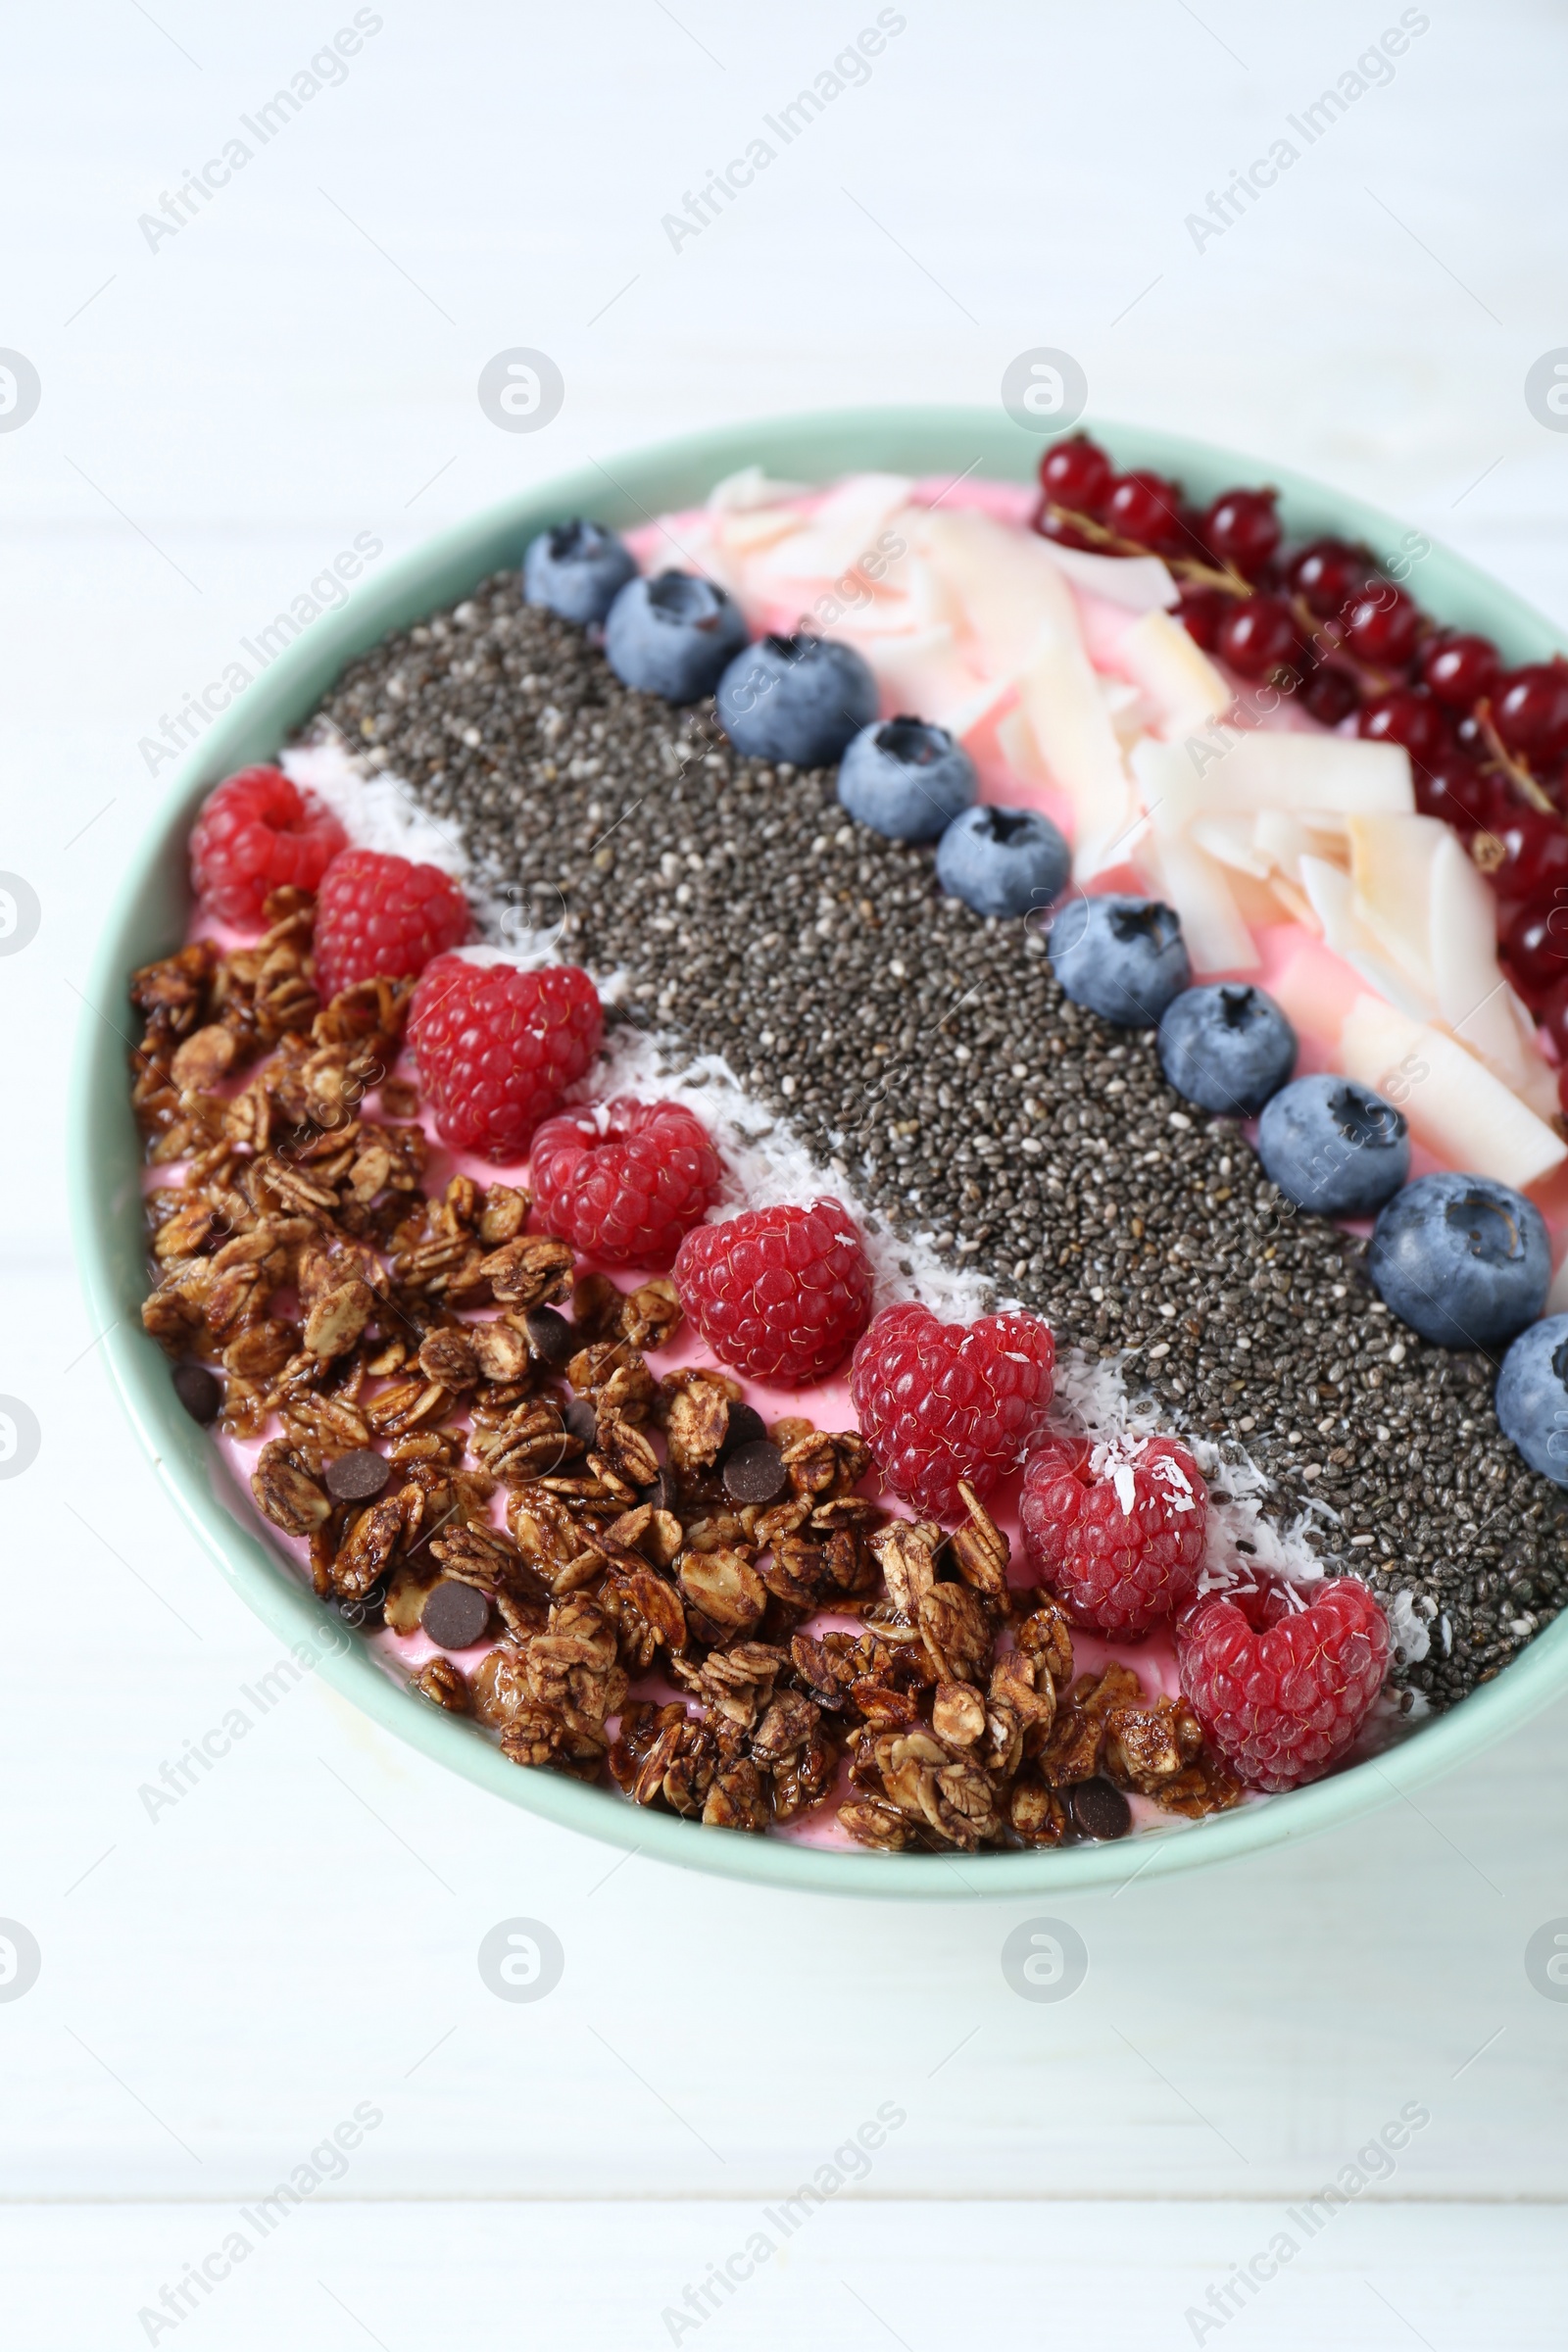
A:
1409,1631
374,805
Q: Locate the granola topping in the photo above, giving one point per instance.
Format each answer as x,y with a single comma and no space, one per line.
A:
461,1429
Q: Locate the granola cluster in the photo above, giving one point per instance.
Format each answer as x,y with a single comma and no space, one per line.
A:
402,1355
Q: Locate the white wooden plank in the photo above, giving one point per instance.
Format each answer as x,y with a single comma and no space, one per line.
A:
331,2275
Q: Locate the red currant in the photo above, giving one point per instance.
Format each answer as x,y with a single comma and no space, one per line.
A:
1459,671
1534,856
1535,947
1077,473
1532,710
1148,510
1200,612
1404,716
1052,525
1562,1091
1459,793
1258,637
1241,529
1330,695
1382,627
1328,575
1553,1014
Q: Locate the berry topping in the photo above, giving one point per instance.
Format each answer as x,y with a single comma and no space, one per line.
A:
1258,637
496,1047
255,833
625,1184
1076,473
905,778
1403,716
672,636
1200,612
1282,1676
1532,1399
1147,509
1116,1531
1328,575
1457,792
1241,529
1330,694
1458,670
1226,1048
778,1294
1383,627
1532,712
1122,957
1463,1260
379,916
1003,861
577,570
943,1401
1526,857
1333,1147
801,699
1553,1014
1535,947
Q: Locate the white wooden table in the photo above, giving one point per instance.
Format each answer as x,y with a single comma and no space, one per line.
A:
224,1984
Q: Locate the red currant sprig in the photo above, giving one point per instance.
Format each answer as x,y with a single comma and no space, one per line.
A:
1269,618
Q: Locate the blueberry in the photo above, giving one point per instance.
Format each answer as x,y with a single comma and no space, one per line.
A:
1533,1396
905,779
672,635
1463,1260
1226,1048
1003,861
1124,958
801,699
576,568
1333,1147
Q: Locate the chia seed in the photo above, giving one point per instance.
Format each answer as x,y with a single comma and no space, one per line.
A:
927,1056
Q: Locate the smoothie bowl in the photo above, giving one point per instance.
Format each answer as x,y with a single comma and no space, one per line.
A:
832,1153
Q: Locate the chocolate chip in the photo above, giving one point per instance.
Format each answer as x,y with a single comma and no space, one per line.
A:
199,1391
358,1477
1100,1809
551,1336
756,1473
454,1616
581,1420
662,1495
745,1426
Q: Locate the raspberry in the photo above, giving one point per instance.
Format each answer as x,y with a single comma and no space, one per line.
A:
1118,1531
941,1401
778,1294
1283,1677
625,1190
378,915
498,1047
255,832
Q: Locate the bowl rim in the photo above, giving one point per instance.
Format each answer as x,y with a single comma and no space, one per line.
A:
103,1154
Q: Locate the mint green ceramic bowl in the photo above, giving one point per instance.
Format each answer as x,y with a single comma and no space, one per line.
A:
149,917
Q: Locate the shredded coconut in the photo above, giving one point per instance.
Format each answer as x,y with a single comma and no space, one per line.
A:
377,812
1408,1632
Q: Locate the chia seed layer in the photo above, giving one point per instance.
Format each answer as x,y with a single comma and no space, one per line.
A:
929,1058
